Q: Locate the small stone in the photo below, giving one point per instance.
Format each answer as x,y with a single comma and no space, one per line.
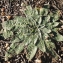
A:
6,45
8,62
38,61
2,9
8,17
2,13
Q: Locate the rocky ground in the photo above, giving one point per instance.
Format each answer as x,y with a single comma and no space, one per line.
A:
11,8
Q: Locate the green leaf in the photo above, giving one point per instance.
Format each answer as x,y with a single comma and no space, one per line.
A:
43,11
28,40
31,49
7,56
15,39
39,33
35,38
15,43
28,11
7,25
59,37
56,16
47,18
15,48
45,30
19,48
41,45
7,34
50,46
40,20
49,25
55,24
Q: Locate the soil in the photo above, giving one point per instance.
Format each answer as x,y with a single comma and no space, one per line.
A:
11,8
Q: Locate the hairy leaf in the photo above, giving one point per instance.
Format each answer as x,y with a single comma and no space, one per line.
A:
33,30
59,37
50,46
31,49
41,45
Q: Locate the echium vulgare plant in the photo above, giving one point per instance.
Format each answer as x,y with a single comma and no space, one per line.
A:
36,30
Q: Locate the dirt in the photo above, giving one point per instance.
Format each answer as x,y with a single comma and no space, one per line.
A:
11,8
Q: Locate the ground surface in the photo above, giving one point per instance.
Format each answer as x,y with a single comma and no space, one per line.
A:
11,8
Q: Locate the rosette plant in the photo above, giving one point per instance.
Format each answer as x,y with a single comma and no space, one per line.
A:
36,30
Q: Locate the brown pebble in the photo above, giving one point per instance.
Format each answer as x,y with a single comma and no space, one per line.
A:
6,45
2,9
8,17
2,13
38,61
